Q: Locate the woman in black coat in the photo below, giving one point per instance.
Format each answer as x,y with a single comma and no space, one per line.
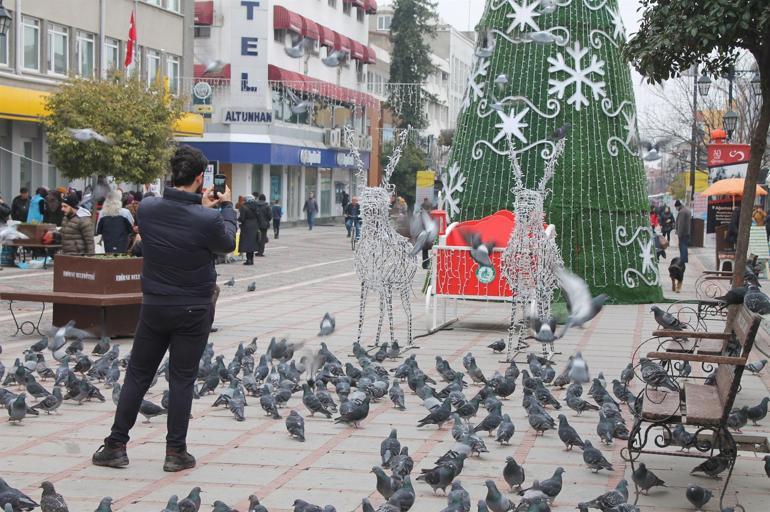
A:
249,222
115,224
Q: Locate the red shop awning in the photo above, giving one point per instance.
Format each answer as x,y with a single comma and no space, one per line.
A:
204,13
356,3
371,56
310,29
342,43
327,36
304,83
284,19
371,6
199,71
358,51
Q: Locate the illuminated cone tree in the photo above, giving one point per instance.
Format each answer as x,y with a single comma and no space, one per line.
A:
542,65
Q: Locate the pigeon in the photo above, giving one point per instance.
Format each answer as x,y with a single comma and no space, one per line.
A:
646,479
404,497
88,135
697,495
51,402
568,434
738,419
254,505
480,251
712,466
505,431
594,459
221,506
15,498
252,287
513,473
51,501
327,325
396,395
366,506
105,505
582,307
667,320
609,500
313,403
683,438
353,411
389,448
295,425
756,301
545,37
424,230
578,370
759,411
497,346
551,487
563,130
605,429
540,423
438,416
756,366
490,422
230,282
298,105
172,505
495,501
767,465
150,410
17,409
402,464
192,502
335,58
386,485
656,376
297,49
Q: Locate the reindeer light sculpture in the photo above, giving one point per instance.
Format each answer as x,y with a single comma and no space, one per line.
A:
531,258
383,259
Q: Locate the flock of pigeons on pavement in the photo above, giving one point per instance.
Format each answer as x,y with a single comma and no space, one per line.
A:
468,400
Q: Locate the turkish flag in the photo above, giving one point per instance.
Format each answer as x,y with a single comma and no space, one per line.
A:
131,41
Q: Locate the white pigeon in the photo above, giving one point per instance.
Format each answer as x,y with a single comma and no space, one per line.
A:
335,58
298,105
297,48
582,307
578,370
8,233
544,37
327,325
424,230
87,135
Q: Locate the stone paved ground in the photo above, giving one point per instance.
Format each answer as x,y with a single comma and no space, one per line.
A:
303,276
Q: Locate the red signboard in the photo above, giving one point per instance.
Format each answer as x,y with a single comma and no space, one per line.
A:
727,154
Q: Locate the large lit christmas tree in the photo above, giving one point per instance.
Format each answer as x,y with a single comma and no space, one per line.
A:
542,65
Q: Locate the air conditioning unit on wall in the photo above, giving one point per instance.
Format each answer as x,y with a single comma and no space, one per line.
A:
335,138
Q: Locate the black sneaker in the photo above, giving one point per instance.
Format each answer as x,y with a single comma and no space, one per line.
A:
178,460
111,455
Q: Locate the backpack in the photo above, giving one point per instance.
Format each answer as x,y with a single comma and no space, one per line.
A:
264,215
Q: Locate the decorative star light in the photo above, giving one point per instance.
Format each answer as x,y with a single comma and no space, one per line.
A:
511,124
630,125
523,15
577,75
619,30
453,181
647,254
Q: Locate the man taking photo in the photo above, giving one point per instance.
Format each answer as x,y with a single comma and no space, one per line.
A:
181,234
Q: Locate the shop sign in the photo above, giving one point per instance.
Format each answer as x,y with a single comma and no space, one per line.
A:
310,157
248,117
345,160
728,161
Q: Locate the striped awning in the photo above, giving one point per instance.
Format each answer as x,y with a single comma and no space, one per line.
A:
310,29
284,19
371,6
327,36
342,43
204,13
371,56
356,3
199,71
317,87
358,52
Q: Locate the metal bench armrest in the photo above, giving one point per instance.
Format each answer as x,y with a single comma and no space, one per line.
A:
699,358
669,333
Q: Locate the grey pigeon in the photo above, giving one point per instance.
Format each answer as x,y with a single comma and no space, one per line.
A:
327,325
295,425
297,48
298,105
312,402
335,58
698,496
404,497
88,135
150,410
712,466
490,422
582,307
50,403
386,485
505,431
767,465
105,505
402,464
539,422
513,473
51,501
438,416
389,448
495,500
551,487
366,506
756,301
646,479
594,459
756,366
656,376
254,505
579,405
353,411
424,230
609,500
15,498
562,131
268,404
396,395
758,412
578,370
439,477
683,438
604,429
17,409
230,282
221,506
568,434
480,251
497,346
458,499
252,286
172,505
667,320
738,418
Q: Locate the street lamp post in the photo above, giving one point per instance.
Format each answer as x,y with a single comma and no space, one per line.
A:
701,85
5,20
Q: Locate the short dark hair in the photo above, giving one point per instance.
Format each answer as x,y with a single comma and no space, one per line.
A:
23,190
41,191
262,197
187,164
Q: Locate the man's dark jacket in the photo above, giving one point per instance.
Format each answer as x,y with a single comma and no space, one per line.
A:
180,239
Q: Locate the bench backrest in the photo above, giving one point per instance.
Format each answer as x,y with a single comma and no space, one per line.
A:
745,327
728,377
758,242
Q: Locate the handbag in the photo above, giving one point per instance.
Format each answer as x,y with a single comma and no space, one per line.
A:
663,242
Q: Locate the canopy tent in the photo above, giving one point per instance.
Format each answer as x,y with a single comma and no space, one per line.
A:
730,187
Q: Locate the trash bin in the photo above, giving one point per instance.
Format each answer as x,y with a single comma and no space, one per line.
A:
696,232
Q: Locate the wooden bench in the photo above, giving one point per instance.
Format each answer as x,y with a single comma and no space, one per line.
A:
758,246
108,308
28,245
704,406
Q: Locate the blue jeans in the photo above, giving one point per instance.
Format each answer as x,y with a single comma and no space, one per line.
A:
310,220
349,226
684,241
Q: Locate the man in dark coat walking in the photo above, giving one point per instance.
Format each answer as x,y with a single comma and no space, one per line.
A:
249,240
264,217
20,205
182,232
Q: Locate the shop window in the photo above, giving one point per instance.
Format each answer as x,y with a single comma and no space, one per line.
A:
58,49
202,31
31,43
325,205
311,178
276,176
256,179
85,54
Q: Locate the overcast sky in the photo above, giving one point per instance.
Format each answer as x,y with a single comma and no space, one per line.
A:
464,14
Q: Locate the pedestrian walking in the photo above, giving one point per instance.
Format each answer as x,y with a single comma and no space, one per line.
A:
344,200
77,227
353,218
115,224
277,212
683,228
264,217
311,210
181,233
667,223
654,223
20,205
247,219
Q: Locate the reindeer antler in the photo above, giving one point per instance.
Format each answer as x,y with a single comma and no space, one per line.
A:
395,157
550,166
360,167
515,165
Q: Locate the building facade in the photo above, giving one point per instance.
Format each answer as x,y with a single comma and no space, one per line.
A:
278,81
52,40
